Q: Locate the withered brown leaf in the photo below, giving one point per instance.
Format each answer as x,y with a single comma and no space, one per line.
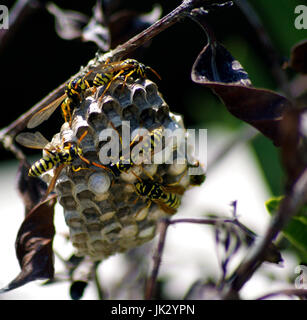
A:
216,69
34,245
298,58
30,189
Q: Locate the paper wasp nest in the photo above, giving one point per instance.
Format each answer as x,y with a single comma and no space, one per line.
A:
103,212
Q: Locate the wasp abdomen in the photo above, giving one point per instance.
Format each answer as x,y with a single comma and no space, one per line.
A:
171,200
102,79
43,165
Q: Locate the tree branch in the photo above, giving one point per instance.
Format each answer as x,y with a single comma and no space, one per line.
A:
118,53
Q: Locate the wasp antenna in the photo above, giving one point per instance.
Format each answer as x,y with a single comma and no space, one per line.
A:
148,175
178,182
136,175
83,135
114,128
154,72
88,73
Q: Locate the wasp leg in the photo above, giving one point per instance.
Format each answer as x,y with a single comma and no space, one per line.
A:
53,181
127,76
66,112
82,136
76,169
142,213
109,84
150,176
177,182
93,163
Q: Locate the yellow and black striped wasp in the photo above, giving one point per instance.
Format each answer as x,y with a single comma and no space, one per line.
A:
113,70
149,142
56,157
73,95
130,66
75,88
165,196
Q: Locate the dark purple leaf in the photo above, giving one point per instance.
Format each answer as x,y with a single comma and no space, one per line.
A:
34,245
216,65
298,58
31,190
216,69
77,289
292,160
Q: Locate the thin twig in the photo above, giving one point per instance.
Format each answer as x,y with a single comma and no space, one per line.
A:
99,289
119,52
288,208
151,283
288,292
7,143
163,226
159,26
20,123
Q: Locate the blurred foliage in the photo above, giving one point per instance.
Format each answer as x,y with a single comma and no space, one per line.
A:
278,19
269,160
296,230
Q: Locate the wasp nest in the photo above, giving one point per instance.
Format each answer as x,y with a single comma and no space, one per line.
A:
104,213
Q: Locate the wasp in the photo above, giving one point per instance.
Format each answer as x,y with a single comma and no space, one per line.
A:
58,157
165,196
113,70
74,90
131,66
149,142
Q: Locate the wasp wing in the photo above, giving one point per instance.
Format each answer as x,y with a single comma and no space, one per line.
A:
54,179
112,67
45,113
178,189
164,207
32,140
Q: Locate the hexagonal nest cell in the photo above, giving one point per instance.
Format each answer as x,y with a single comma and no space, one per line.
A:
104,213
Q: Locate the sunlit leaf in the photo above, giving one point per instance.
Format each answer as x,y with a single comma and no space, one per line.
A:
296,229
